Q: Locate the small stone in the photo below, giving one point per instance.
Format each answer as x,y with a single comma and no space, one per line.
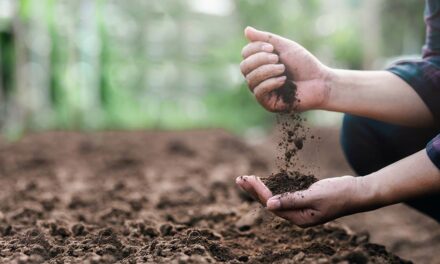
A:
362,238
298,257
322,261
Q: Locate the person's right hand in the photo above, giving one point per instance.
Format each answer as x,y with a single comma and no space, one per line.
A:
269,57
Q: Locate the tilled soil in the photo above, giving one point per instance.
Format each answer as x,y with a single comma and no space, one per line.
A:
157,197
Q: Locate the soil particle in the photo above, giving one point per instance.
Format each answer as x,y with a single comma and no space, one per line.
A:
293,134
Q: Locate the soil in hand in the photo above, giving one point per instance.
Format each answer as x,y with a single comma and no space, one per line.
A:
284,181
287,93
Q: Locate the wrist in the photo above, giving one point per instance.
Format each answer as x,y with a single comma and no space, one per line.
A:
329,88
368,193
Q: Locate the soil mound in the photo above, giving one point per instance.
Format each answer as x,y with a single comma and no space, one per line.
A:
284,181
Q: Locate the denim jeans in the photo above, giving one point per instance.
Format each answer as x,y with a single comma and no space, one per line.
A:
370,145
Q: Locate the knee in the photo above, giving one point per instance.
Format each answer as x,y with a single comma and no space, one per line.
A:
351,136
359,146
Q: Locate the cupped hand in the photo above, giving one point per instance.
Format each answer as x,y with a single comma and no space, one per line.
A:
269,59
324,201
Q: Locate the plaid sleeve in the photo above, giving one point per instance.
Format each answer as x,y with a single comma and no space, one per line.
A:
433,150
424,77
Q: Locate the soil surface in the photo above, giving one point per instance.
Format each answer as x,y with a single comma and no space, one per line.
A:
155,197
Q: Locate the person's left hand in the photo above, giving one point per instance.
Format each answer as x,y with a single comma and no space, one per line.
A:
325,200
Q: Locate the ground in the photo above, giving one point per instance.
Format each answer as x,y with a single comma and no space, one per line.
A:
159,197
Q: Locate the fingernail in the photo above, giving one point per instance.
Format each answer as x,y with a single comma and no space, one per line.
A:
273,204
267,48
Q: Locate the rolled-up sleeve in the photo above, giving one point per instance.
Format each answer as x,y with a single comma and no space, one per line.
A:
433,150
424,77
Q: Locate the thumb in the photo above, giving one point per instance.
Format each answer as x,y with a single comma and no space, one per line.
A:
290,201
253,34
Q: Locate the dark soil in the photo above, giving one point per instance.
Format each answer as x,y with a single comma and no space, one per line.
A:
287,93
151,197
283,182
293,135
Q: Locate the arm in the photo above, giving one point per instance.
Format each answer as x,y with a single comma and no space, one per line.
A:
379,95
409,178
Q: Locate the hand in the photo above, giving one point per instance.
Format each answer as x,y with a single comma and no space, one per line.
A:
325,200
265,71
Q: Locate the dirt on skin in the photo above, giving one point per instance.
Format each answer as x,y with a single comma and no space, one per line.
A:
151,197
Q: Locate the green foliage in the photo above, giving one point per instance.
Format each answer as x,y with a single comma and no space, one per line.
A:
106,64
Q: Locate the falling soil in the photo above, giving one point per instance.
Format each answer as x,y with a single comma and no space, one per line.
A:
293,134
151,197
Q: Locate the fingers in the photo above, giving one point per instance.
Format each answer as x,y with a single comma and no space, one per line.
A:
268,86
255,47
253,34
290,201
254,186
242,181
256,60
263,73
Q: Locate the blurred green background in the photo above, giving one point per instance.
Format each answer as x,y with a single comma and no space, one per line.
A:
174,64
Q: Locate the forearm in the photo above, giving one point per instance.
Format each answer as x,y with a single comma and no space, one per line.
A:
409,178
379,95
